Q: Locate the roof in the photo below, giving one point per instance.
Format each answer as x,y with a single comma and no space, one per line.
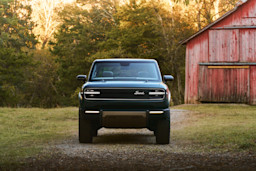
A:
124,60
215,22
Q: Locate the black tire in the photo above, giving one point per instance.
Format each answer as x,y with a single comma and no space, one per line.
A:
163,131
95,132
85,131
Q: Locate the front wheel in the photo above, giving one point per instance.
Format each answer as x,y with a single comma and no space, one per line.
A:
162,131
95,132
85,130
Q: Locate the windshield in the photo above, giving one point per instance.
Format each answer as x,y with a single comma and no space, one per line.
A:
130,71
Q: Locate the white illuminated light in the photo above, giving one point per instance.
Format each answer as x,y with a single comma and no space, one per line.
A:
156,112
92,112
156,93
92,92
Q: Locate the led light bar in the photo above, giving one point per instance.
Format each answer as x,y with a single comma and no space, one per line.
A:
91,112
156,93
92,92
156,112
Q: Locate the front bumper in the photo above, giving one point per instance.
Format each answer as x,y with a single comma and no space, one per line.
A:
119,118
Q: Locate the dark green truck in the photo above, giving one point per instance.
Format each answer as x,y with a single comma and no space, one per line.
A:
124,93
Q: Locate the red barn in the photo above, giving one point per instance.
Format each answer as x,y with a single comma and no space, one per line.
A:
221,59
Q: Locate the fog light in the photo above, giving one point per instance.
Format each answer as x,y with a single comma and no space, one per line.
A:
91,112
156,112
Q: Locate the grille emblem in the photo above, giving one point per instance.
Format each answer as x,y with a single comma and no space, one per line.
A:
139,93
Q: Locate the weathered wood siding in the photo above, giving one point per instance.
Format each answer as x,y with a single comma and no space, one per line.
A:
197,51
253,85
248,45
224,45
224,84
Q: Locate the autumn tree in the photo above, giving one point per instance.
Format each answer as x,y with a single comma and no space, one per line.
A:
45,15
108,30
16,39
207,11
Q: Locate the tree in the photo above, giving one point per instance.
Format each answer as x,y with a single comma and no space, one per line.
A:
41,90
136,30
207,11
16,39
45,16
76,41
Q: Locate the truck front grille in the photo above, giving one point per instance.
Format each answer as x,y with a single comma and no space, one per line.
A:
124,94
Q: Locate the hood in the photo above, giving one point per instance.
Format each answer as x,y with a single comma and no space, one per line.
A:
124,84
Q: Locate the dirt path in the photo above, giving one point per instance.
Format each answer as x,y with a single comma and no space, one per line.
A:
128,149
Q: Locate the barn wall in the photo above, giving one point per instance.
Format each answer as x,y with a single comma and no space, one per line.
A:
186,77
224,45
197,51
248,45
253,85
236,45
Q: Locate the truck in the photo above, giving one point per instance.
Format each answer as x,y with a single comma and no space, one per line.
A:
124,93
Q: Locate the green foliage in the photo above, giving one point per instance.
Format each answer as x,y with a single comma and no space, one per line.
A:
134,30
41,90
76,41
15,41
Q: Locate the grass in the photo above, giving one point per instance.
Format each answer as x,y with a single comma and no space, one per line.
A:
24,132
219,127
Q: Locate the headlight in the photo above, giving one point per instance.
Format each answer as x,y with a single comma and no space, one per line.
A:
156,94
91,93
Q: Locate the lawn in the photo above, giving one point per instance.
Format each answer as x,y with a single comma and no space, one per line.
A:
219,127
24,132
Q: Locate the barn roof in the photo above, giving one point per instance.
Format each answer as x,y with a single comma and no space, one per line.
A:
242,2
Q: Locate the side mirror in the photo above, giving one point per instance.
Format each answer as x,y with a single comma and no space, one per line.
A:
168,78
81,78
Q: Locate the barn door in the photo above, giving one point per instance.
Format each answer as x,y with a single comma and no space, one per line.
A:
224,84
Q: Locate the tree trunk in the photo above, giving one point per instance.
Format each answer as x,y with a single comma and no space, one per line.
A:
216,9
199,19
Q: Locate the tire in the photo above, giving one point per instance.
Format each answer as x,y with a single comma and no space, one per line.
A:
85,131
95,132
163,131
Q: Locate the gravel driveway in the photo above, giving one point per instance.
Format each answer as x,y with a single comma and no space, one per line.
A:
135,149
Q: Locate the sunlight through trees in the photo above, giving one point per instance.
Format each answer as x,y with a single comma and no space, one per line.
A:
44,44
